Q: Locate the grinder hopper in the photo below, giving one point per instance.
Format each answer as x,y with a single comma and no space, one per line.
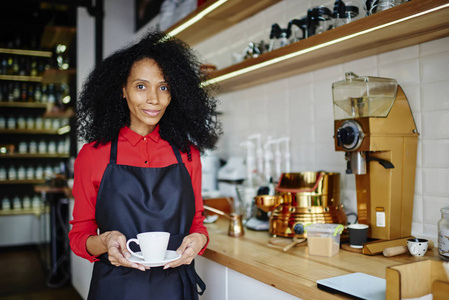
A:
375,128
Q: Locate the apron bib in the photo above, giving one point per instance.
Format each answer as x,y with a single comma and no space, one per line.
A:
133,200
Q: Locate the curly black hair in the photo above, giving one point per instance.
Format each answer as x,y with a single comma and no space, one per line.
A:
189,120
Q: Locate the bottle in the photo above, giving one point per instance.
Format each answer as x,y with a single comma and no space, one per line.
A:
26,202
12,173
38,93
2,122
30,173
24,93
51,94
42,147
443,234
11,122
6,203
39,174
15,92
39,124
32,147
21,122
3,174
30,93
30,123
21,173
23,147
36,202
16,203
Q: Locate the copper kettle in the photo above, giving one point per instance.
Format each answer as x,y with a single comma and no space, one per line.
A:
236,224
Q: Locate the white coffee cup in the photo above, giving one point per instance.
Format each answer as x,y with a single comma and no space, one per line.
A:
153,245
417,247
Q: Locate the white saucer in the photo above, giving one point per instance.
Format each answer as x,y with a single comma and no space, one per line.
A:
169,256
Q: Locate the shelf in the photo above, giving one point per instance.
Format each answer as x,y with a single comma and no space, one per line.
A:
28,211
24,104
60,131
36,155
21,78
35,181
409,24
50,76
26,52
229,13
54,35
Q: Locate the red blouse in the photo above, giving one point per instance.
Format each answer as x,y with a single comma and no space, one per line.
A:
150,151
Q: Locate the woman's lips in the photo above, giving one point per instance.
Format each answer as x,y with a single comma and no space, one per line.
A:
151,113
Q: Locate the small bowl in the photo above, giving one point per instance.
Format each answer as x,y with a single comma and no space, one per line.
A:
268,203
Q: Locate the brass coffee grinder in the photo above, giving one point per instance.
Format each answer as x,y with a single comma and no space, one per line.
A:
375,128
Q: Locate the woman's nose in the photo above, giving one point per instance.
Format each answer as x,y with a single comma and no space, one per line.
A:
152,97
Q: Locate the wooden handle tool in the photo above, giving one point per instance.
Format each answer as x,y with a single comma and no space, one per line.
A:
393,251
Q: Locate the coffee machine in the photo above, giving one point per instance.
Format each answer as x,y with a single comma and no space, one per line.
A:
375,128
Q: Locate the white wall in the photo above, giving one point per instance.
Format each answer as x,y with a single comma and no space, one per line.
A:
301,107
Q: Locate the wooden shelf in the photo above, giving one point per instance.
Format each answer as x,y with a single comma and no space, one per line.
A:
35,181
31,131
55,76
24,104
226,15
369,36
28,211
26,52
36,155
21,78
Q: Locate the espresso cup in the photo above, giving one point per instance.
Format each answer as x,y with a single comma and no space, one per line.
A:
417,247
153,245
358,235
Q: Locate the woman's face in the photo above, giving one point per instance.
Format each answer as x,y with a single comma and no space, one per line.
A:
147,94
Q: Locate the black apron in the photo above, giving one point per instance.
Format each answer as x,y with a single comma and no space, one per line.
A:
133,200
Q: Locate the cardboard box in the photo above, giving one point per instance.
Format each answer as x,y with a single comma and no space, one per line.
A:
417,279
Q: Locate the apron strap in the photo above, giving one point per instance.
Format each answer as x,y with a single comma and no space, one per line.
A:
177,154
189,279
113,156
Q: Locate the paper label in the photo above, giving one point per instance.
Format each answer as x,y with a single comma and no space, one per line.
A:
380,219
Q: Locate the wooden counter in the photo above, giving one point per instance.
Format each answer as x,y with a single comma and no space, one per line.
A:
295,271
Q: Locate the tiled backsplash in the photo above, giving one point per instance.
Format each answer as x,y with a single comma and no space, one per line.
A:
301,107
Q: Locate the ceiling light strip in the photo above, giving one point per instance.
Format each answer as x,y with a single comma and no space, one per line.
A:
196,18
307,50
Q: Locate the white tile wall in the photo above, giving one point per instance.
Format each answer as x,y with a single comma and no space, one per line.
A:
301,107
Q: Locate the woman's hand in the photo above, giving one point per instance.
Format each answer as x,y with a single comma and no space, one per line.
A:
191,245
118,254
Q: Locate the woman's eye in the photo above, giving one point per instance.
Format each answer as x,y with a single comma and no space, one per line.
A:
164,88
140,86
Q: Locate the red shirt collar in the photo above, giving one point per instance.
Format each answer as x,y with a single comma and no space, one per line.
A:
134,138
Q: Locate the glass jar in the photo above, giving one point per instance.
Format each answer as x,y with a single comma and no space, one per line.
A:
443,234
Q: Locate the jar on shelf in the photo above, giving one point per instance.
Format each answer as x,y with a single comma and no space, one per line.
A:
443,234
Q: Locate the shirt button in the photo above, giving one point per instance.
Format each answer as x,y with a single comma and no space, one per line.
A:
146,161
144,138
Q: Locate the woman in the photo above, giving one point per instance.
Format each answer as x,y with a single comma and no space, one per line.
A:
145,119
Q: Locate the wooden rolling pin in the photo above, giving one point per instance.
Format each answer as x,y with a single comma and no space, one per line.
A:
393,251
